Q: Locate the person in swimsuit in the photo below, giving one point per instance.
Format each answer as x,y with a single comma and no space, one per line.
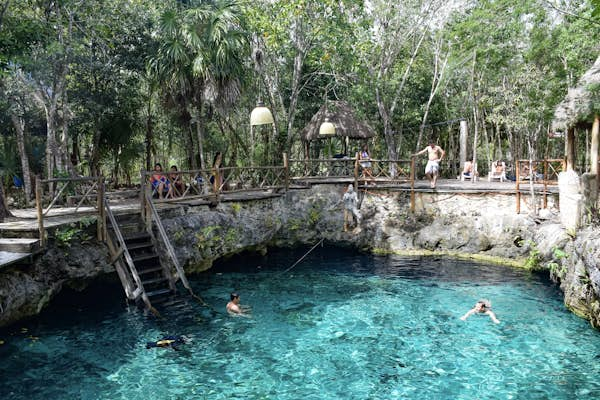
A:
159,182
235,308
483,306
435,154
365,164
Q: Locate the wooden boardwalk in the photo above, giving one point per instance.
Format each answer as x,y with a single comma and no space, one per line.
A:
25,223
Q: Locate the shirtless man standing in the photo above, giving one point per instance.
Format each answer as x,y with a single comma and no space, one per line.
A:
435,155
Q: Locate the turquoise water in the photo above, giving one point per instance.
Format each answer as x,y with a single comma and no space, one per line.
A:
338,326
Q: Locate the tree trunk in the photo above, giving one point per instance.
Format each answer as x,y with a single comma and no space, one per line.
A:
298,63
149,134
95,157
19,124
4,213
199,133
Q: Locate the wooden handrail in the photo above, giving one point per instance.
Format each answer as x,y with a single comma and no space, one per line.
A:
75,179
121,242
167,243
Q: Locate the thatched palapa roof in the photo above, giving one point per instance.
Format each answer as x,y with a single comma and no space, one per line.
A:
577,107
343,117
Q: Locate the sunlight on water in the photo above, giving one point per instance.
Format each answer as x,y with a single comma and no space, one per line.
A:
338,326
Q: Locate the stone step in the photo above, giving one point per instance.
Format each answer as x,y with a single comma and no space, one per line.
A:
19,245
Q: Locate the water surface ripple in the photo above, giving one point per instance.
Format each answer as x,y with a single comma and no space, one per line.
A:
340,325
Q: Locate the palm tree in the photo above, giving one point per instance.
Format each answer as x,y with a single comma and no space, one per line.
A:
200,61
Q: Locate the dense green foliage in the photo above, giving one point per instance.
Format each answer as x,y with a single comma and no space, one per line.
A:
112,86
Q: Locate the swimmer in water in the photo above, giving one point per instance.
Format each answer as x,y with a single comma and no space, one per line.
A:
168,341
482,307
235,308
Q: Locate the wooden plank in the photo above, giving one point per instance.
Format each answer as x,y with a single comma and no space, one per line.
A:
8,258
19,245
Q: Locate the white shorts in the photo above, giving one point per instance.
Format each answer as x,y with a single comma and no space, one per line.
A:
432,167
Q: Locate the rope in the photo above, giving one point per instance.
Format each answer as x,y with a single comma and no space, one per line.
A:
304,256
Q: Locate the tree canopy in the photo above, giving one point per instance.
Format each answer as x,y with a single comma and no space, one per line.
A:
111,86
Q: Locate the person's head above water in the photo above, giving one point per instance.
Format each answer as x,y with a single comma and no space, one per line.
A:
234,296
483,305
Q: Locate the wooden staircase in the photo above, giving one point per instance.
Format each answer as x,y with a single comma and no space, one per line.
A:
144,273
147,275
156,279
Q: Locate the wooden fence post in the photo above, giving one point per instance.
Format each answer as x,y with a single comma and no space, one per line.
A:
217,183
143,194
40,211
517,185
356,173
101,220
286,167
412,184
545,201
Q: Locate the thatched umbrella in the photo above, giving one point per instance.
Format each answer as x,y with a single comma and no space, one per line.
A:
577,107
580,108
344,119
341,114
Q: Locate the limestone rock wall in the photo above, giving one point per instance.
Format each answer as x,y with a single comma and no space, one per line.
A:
25,290
469,225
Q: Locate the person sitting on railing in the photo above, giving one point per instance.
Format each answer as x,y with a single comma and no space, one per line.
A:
177,185
160,183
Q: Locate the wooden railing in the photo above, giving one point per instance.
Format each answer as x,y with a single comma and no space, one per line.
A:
209,184
127,272
538,172
64,192
155,218
322,168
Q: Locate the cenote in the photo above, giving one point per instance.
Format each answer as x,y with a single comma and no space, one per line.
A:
340,325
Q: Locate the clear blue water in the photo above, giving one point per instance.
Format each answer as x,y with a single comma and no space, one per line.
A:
338,326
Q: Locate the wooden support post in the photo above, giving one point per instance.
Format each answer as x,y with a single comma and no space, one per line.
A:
517,185
412,184
143,194
356,173
101,220
148,208
595,145
40,211
463,139
286,166
545,201
217,183
570,149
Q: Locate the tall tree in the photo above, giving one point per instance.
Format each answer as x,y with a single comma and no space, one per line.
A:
201,59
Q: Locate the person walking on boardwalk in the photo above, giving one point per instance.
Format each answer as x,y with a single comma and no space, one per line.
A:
435,154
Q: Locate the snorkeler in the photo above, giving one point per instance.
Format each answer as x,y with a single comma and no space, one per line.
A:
483,306
168,341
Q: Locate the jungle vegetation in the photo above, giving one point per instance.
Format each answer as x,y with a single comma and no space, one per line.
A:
90,87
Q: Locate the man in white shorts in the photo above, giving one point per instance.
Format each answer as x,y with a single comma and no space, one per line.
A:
435,154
